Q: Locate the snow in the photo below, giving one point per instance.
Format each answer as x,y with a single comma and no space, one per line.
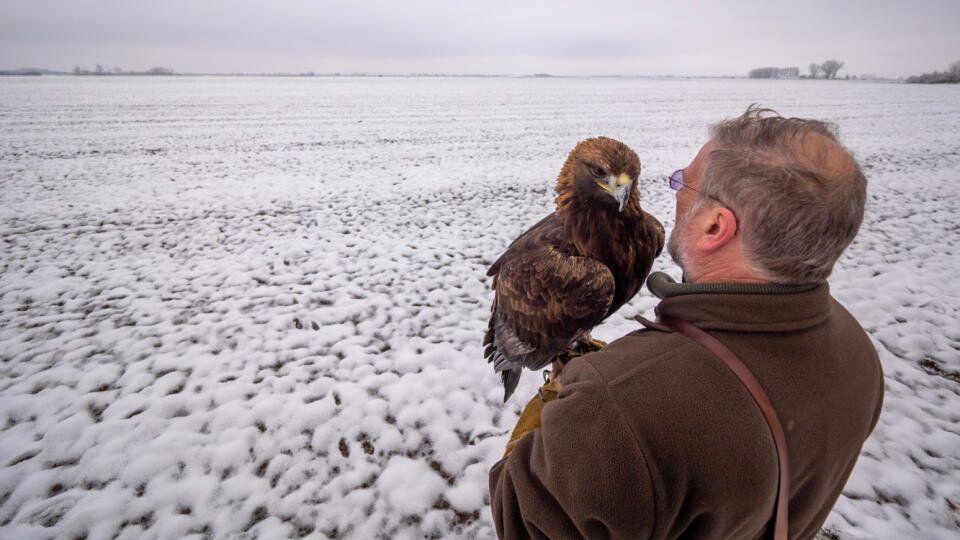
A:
251,307
409,486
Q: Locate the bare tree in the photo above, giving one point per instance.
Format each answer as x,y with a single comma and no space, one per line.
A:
830,68
814,70
954,68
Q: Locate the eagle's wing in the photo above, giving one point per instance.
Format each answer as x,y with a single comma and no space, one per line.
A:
544,300
659,233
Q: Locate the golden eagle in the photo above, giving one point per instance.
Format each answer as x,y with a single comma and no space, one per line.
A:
575,267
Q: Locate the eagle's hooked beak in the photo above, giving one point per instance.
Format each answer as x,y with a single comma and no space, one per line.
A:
622,191
619,188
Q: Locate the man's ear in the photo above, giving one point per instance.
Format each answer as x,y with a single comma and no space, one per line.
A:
717,227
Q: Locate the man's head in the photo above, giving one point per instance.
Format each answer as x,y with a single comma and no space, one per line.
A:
772,199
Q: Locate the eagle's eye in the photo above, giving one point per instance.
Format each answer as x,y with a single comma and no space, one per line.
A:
597,172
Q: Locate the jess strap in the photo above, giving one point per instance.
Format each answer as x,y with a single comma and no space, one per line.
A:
756,390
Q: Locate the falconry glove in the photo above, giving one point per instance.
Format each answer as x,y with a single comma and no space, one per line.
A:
530,417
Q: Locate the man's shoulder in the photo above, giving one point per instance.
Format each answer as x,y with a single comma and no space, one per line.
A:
642,356
691,418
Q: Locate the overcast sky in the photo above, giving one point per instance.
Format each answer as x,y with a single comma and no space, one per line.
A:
882,37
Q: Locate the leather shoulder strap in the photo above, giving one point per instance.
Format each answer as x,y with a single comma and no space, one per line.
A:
756,390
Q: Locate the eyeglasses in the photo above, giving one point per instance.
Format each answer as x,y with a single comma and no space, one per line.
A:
676,183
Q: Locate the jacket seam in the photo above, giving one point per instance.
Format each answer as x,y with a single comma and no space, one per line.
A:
649,364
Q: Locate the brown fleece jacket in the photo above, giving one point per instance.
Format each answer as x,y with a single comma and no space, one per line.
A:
654,437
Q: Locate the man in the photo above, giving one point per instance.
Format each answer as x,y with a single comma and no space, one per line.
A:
654,436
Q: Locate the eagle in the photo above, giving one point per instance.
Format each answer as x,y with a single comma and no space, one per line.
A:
575,267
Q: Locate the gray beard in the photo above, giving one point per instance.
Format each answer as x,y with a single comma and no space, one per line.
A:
675,246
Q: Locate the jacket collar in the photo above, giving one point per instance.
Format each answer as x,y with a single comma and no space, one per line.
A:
746,307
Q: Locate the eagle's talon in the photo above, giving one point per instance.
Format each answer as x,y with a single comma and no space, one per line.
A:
595,344
587,346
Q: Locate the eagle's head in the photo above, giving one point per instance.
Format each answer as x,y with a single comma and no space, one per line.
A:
599,171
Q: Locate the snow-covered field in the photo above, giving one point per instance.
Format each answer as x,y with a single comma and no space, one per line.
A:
248,307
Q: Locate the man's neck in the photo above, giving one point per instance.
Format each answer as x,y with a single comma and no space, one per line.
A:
725,277
724,272
723,265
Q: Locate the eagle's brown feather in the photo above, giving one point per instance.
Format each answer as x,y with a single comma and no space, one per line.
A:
574,268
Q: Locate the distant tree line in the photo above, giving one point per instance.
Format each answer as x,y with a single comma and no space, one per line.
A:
775,73
28,71
951,75
119,71
827,69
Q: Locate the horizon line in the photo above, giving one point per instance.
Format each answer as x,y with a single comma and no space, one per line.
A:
30,71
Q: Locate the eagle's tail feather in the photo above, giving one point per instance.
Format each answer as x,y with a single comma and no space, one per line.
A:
510,378
501,363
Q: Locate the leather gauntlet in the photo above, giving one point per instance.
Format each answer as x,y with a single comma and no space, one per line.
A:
530,417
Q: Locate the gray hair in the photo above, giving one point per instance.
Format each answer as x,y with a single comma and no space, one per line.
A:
797,194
